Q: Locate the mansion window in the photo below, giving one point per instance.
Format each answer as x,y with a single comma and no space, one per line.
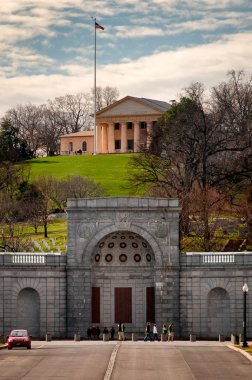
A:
117,126
117,144
129,125
143,125
130,144
84,146
70,146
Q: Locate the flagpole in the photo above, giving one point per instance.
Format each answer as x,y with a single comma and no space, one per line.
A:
95,142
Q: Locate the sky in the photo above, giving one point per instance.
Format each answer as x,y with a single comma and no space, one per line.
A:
148,48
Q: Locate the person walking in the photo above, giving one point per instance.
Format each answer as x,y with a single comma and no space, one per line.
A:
171,332
147,332
121,331
98,331
89,333
112,333
155,332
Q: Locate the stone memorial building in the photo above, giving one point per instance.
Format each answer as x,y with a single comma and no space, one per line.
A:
123,263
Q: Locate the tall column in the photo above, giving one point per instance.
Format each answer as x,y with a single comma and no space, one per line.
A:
104,139
98,138
149,134
136,137
124,147
111,139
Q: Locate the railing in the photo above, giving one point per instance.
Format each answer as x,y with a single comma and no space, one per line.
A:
190,259
31,258
28,259
218,259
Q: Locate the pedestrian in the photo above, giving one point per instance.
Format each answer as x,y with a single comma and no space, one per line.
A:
105,330
171,332
98,331
147,332
164,329
155,332
121,330
89,333
112,333
93,332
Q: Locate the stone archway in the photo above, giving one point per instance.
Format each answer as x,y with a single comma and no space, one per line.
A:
218,304
28,311
123,281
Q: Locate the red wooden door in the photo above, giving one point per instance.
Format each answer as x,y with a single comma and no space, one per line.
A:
95,305
150,304
123,305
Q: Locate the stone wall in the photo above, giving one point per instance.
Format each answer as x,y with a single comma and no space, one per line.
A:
33,287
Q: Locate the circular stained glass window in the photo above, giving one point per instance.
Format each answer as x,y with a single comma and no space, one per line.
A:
123,237
123,258
134,245
123,245
148,257
101,245
144,244
111,245
108,258
137,257
97,257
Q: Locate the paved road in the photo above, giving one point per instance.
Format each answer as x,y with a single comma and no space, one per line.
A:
132,361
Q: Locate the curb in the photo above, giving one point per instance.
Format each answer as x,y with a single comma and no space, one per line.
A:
244,353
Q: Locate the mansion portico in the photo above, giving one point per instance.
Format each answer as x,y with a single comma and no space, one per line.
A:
124,126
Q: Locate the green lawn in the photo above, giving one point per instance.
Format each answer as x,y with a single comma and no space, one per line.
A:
109,171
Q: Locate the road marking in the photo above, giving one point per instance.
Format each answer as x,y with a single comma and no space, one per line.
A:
112,362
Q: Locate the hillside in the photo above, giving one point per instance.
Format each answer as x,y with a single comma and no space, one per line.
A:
109,171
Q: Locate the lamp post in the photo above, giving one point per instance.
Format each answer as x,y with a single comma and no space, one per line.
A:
245,291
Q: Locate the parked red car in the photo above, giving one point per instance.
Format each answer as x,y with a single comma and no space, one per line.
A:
19,338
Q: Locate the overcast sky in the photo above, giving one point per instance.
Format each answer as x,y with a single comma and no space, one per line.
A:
149,48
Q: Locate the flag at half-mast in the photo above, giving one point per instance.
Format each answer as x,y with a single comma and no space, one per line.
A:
98,26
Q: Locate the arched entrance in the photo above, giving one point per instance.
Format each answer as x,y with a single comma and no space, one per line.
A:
28,311
218,313
123,281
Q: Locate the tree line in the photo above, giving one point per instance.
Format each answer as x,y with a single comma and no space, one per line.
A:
41,126
201,152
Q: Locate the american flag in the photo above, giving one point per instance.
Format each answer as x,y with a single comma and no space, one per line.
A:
97,26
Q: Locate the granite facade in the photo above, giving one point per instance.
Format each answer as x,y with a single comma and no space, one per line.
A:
124,242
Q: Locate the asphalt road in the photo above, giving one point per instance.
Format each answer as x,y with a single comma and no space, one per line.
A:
128,360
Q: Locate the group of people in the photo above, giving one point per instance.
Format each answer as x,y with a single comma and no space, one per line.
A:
94,332
152,330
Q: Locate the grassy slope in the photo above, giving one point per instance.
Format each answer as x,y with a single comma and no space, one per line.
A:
109,171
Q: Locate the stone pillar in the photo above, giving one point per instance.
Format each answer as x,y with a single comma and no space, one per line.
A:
104,139
136,137
124,147
149,134
111,138
98,139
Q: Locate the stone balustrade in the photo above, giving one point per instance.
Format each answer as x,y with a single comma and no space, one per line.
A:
30,258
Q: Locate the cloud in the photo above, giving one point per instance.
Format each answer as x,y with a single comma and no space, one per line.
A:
161,76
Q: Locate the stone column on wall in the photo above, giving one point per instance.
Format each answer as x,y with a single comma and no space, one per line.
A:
98,139
124,147
111,138
104,139
136,137
149,133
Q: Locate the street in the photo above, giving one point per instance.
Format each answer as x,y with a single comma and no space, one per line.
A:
128,360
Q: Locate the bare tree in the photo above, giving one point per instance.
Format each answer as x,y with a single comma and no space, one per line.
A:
45,185
72,112
193,147
27,118
105,96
